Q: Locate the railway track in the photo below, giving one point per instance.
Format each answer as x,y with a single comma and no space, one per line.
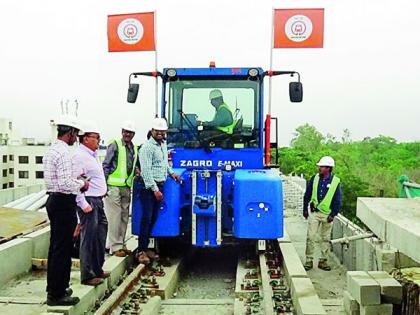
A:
219,281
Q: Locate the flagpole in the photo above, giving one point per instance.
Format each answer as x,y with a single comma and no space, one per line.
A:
271,61
267,136
156,68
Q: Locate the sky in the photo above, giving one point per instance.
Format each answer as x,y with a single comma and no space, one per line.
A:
365,79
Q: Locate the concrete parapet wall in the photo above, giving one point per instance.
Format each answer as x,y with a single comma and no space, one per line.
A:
11,194
293,191
40,242
366,254
15,259
393,220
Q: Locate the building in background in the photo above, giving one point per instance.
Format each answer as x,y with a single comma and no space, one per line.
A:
21,159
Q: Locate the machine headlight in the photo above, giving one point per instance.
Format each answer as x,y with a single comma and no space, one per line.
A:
253,72
171,73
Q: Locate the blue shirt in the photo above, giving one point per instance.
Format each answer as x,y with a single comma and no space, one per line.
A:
323,185
153,158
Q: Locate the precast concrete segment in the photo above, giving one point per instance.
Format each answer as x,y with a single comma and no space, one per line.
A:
117,266
88,296
395,221
292,264
267,291
38,263
10,195
152,307
382,309
368,254
40,242
15,258
30,201
391,289
38,204
120,293
363,288
305,299
18,201
285,238
16,222
350,304
239,307
168,283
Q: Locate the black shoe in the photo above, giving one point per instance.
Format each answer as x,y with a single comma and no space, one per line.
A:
69,292
308,265
322,264
65,300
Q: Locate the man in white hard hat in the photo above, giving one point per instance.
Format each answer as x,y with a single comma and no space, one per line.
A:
119,169
62,187
93,222
153,157
223,120
323,194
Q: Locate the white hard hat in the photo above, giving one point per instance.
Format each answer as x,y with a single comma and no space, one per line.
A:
160,124
215,94
68,120
89,126
326,161
129,126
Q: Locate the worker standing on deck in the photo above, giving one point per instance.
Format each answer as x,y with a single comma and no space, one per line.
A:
153,157
62,187
119,169
93,222
323,194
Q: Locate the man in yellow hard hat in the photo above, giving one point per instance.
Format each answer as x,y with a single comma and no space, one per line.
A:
323,195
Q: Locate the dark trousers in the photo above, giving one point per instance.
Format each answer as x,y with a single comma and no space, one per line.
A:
93,229
61,211
150,207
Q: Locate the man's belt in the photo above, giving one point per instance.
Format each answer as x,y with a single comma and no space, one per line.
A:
60,194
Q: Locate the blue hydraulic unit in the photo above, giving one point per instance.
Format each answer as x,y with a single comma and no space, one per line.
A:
229,188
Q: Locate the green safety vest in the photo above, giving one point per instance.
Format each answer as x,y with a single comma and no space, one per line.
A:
120,177
325,205
229,128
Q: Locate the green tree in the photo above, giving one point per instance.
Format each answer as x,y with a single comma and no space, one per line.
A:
369,167
307,137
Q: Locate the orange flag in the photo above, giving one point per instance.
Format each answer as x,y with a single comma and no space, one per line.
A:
298,28
131,32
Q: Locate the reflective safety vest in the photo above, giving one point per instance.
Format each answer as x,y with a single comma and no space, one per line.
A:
120,177
229,128
325,205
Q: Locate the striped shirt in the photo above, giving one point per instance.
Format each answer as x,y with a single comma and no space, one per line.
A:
85,161
153,158
58,173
